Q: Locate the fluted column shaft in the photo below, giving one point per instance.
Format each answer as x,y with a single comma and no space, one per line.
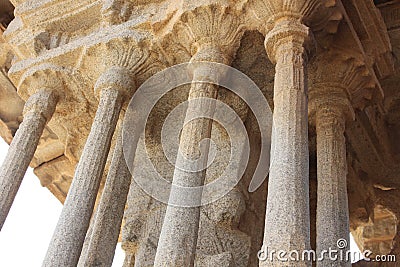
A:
178,238
69,235
332,206
287,224
109,213
37,111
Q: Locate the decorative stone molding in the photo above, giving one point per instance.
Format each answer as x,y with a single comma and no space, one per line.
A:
120,43
43,25
143,217
115,11
271,11
219,234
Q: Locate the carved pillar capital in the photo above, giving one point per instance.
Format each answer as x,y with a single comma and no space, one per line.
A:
329,104
216,42
43,103
45,79
123,62
116,78
288,36
341,71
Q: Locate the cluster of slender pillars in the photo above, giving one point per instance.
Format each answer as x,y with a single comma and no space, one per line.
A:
287,224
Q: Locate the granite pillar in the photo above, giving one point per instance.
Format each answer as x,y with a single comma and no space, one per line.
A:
287,224
66,243
37,112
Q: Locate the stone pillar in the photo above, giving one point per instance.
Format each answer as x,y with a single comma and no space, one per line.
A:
332,108
179,232
109,213
69,235
178,238
287,224
37,112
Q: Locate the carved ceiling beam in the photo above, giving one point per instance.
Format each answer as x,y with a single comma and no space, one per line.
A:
366,44
367,21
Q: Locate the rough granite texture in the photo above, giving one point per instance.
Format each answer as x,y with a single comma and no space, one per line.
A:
67,241
332,221
108,217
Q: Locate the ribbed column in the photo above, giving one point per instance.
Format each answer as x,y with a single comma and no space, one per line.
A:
69,235
178,238
109,213
287,224
37,112
332,207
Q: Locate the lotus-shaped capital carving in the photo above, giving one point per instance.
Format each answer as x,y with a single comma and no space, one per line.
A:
316,14
123,54
345,71
211,27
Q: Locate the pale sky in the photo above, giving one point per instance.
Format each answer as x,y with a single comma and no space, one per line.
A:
30,224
